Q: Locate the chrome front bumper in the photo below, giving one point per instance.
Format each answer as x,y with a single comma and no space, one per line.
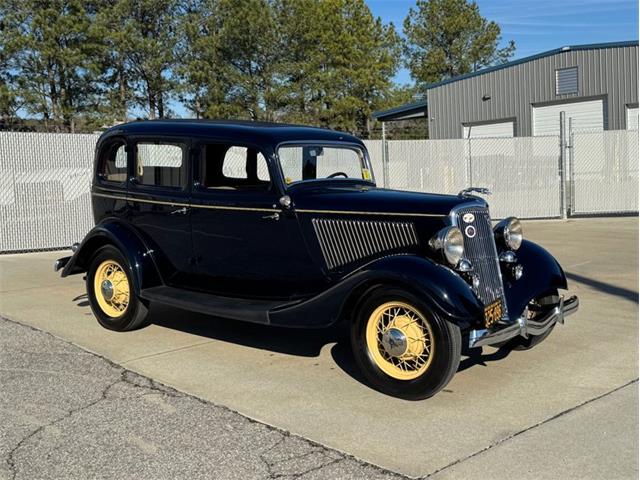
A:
60,263
524,327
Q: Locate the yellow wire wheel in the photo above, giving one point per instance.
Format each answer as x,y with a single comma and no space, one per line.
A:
111,288
400,340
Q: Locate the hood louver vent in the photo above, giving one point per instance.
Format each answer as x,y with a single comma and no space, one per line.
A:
345,241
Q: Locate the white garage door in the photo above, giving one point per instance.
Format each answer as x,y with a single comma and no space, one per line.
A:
585,116
632,118
488,130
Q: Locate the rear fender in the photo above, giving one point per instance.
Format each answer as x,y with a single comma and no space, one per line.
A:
542,274
142,265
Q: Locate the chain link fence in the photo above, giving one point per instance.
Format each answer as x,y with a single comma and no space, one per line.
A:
521,172
45,200
45,178
603,169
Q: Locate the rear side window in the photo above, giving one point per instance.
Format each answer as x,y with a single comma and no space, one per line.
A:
161,164
112,166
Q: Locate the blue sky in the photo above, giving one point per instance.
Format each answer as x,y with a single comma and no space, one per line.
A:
539,25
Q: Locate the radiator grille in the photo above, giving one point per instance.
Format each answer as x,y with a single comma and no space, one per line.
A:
481,251
345,241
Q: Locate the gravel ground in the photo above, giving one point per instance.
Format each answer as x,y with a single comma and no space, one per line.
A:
67,413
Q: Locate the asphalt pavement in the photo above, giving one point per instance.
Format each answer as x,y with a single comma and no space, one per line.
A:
70,414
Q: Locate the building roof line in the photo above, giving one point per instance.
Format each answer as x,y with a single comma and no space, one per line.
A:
406,109
548,53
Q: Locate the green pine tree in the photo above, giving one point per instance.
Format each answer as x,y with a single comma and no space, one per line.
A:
51,59
447,38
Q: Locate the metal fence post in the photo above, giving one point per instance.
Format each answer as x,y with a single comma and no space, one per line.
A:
469,164
385,158
570,179
561,167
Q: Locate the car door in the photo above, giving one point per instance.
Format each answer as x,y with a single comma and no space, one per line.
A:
159,203
245,243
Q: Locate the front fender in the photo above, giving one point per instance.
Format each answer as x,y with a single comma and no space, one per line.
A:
142,266
542,273
444,290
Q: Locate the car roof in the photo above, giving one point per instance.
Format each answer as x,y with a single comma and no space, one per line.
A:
231,130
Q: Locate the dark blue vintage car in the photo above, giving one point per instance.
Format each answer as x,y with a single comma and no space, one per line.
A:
284,225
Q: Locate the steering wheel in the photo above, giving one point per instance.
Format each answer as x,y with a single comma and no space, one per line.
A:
334,175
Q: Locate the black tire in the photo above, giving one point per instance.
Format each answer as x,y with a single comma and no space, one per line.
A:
134,315
521,343
446,344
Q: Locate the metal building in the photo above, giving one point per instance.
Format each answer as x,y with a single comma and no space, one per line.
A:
595,85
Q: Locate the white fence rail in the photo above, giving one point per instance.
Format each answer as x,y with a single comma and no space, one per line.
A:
45,178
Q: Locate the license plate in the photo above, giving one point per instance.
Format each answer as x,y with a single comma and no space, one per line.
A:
492,313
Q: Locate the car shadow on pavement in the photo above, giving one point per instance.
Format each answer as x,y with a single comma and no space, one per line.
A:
302,342
83,300
604,287
476,357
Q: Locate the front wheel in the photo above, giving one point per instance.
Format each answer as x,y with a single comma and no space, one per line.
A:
402,347
110,292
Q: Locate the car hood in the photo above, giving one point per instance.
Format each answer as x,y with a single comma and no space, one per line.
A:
372,200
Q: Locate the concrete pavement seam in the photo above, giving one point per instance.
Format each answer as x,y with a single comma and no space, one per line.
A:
531,427
271,465
178,349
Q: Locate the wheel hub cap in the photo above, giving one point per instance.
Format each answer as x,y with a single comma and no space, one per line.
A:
394,342
107,289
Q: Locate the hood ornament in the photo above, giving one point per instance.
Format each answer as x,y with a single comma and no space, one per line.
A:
467,192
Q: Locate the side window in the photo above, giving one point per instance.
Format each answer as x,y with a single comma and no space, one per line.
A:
291,163
232,167
112,166
161,164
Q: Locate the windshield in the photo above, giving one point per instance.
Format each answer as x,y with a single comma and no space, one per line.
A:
312,162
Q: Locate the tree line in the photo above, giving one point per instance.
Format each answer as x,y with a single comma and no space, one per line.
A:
79,65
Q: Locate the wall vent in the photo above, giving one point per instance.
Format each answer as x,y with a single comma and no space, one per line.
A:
567,81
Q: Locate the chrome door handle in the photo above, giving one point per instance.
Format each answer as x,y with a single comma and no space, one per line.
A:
273,216
181,211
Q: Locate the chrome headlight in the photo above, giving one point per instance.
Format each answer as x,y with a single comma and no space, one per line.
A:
509,232
450,243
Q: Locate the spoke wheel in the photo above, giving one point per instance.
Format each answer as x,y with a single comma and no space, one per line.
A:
401,345
111,288
111,291
400,340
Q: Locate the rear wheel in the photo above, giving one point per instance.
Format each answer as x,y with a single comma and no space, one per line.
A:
110,292
402,347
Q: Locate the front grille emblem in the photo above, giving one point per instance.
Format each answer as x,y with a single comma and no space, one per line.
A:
470,231
468,218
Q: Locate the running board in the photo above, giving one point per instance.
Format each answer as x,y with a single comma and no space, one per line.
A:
255,311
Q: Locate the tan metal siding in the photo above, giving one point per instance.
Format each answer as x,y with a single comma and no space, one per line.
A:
611,72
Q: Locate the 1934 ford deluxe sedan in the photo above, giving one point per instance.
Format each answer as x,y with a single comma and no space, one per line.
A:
284,225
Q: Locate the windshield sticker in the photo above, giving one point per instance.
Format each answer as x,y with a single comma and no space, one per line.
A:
366,174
